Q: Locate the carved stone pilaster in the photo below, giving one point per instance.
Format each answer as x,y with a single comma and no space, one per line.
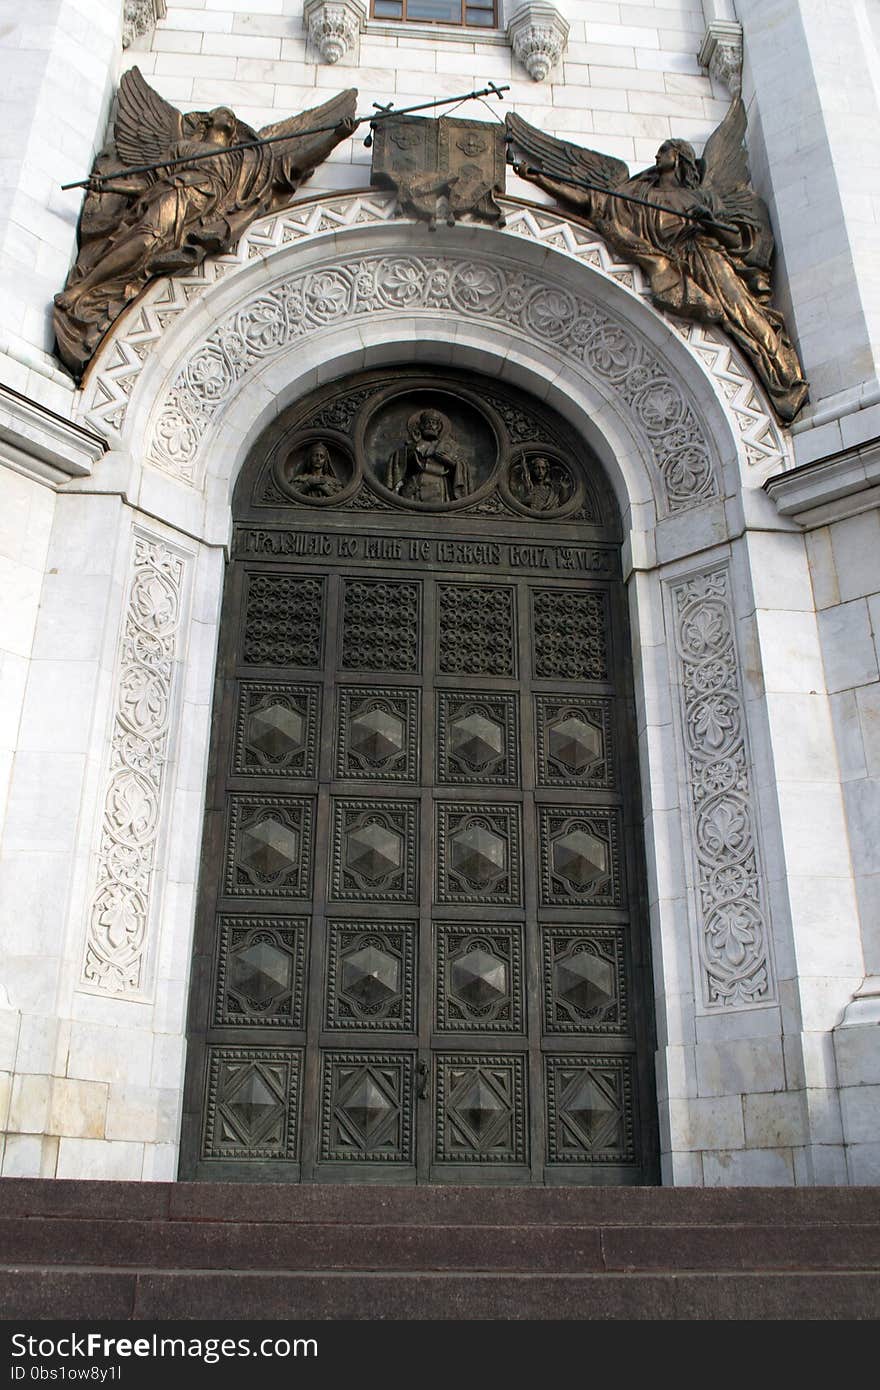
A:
139,17
148,671
538,35
722,53
732,917
334,26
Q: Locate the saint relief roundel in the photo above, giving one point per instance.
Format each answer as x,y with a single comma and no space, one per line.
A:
407,441
430,449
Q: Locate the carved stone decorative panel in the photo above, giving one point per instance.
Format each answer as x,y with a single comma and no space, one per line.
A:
366,1107
585,979
477,738
732,916
381,628
374,851
377,733
476,630
371,970
481,1108
571,635
252,1108
574,742
276,729
283,620
269,847
580,856
479,978
590,1109
116,948
478,853
261,964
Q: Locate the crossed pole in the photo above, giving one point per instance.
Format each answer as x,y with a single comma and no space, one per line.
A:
380,113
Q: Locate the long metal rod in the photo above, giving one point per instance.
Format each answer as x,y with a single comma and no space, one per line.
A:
382,115
630,198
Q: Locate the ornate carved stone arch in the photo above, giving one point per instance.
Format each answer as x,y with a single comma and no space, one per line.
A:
170,375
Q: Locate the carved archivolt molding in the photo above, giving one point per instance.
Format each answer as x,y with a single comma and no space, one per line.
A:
117,370
732,916
116,934
471,287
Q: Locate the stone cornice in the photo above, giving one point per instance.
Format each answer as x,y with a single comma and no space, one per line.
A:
42,445
829,488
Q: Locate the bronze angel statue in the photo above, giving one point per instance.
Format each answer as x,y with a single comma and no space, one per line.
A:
695,227
134,227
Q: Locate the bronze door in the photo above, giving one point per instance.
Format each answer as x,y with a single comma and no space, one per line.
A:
421,951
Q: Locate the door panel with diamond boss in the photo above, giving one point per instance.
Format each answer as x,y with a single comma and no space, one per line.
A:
421,946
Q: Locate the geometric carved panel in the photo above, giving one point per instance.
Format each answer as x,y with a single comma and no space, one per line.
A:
584,980
373,846
377,734
574,743
366,1107
479,978
481,1108
478,853
476,737
590,1109
269,849
580,856
570,635
476,632
275,729
260,971
252,1108
380,626
370,975
282,624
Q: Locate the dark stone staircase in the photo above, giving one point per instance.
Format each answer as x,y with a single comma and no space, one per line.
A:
112,1250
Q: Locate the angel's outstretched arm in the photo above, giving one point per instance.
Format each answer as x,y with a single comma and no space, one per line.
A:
565,190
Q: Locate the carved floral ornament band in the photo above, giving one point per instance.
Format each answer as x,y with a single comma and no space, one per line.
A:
608,352
733,927
114,380
116,934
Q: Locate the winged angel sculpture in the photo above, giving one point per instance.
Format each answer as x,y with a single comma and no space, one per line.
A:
134,227
695,227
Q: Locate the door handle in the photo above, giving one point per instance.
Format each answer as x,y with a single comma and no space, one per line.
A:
423,1073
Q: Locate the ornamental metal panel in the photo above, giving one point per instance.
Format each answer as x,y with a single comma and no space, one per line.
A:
421,950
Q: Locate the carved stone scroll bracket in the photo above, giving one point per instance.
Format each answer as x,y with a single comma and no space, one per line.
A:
118,950
139,18
732,917
722,53
538,34
334,27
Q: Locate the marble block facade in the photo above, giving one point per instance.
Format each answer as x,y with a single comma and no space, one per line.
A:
749,564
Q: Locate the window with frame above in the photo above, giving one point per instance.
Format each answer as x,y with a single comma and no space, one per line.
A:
480,14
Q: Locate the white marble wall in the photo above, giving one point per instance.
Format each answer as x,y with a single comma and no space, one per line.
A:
845,568
812,89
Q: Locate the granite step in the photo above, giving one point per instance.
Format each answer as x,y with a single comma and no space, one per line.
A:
165,1250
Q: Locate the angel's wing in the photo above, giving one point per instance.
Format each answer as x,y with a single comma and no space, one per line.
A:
561,160
725,173
338,108
725,163
146,125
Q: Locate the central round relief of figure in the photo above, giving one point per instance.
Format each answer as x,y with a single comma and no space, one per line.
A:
429,448
429,466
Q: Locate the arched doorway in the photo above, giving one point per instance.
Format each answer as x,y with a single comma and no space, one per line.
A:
422,949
